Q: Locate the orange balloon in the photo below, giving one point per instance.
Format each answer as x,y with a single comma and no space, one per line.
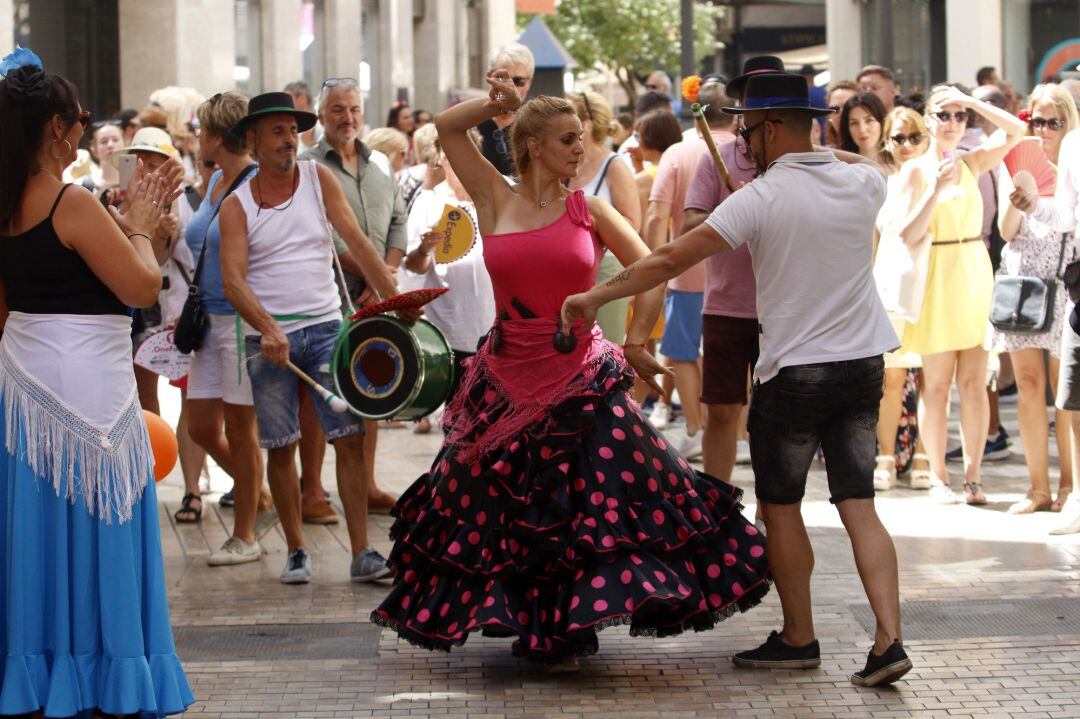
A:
163,442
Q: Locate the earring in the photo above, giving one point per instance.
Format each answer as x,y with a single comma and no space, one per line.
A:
53,144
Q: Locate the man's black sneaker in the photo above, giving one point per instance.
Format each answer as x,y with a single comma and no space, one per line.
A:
775,653
883,669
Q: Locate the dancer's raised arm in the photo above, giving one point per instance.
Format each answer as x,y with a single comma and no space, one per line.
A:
480,178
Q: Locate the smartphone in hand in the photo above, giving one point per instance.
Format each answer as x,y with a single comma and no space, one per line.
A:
126,165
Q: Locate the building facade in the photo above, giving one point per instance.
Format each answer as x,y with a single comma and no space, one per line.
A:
119,51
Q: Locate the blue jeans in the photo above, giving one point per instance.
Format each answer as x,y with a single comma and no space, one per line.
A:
275,389
832,404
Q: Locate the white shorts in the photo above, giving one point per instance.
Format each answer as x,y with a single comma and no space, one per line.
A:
214,367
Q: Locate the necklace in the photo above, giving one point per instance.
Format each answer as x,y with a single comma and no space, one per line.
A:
264,206
541,202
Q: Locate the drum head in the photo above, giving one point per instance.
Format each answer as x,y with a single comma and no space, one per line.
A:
377,370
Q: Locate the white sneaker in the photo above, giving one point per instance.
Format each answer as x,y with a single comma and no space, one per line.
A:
1070,513
235,551
264,522
689,445
942,493
742,451
660,415
297,568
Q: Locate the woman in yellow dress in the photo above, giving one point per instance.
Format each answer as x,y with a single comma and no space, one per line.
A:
945,209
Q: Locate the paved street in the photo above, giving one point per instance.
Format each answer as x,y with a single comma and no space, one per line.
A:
992,620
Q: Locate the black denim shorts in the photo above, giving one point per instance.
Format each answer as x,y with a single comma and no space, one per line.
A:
834,405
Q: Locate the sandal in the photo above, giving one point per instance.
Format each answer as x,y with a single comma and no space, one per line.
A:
885,478
1062,498
920,476
186,509
1035,501
973,494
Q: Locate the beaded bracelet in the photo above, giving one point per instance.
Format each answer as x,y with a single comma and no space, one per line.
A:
635,345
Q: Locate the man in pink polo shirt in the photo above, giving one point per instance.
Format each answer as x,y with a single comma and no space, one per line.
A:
685,293
729,322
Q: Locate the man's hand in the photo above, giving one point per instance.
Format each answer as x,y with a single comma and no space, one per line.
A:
646,367
274,346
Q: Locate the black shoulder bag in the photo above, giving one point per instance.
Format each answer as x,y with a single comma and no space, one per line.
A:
193,323
1025,305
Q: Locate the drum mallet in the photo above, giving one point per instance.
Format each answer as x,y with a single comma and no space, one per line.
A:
336,403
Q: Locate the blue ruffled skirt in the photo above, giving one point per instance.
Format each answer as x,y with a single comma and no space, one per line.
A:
85,620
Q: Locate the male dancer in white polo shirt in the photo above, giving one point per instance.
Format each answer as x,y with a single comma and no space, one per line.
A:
809,223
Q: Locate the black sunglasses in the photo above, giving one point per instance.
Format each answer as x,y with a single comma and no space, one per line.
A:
959,116
914,138
104,123
520,80
745,132
1054,124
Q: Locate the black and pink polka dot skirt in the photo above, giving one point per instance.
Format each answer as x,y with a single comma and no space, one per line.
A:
586,520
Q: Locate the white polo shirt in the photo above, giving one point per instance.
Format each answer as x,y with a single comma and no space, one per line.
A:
809,223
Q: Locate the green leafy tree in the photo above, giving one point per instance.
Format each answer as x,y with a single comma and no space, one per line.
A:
630,37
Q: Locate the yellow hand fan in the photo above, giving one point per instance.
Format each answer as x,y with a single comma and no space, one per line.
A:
460,233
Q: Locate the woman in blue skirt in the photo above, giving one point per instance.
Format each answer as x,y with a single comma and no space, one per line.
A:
84,622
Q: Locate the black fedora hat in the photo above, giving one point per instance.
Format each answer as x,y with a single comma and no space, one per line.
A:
758,65
777,91
274,103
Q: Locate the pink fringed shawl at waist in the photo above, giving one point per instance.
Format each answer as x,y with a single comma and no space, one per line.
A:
526,379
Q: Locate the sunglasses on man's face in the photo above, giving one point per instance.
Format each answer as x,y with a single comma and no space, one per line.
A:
960,116
914,138
520,80
1040,123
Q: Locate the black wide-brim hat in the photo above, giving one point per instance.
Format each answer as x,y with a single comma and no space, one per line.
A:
758,65
777,91
274,103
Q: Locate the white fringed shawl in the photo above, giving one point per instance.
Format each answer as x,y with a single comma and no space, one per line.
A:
71,408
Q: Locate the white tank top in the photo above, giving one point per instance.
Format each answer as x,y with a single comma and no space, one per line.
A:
598,186
290,254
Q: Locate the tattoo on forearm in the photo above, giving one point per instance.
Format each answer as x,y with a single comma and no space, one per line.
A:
621,277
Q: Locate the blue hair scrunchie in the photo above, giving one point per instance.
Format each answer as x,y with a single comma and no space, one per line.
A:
22,57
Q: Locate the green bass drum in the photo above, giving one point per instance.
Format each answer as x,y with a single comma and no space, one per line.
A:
385,368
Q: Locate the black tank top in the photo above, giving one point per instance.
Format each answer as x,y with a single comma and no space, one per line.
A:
41,276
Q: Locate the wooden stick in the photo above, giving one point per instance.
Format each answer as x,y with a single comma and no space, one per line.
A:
703,127
337,404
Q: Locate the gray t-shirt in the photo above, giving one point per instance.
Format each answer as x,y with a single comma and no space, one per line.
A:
809,223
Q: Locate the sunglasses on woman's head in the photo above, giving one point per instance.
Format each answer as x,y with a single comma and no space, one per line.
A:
1038,123
959,116
914,138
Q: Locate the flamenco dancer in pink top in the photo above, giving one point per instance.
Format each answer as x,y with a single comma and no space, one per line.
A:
554,509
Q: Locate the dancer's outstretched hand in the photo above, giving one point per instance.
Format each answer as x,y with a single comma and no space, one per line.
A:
577,307
646,367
